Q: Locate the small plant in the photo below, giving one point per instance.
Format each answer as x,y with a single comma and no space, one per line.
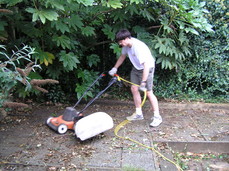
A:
183,159
55,94
11,73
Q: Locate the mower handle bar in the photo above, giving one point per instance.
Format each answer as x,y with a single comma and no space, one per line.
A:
112,81
99,77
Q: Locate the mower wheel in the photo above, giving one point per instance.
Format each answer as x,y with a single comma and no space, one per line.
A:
62,128
48,120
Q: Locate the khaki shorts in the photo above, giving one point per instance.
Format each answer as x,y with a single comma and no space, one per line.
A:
136,77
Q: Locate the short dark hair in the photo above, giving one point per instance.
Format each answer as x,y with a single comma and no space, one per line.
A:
122,34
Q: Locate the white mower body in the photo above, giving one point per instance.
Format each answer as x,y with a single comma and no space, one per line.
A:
92,125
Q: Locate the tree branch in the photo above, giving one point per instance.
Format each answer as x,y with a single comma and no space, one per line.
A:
6,11
102,12
100,43
153,27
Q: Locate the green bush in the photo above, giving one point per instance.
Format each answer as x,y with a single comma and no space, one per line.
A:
55,94
204,76
11,74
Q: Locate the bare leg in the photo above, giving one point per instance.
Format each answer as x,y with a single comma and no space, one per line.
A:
137,101
136,96
153,101
157,119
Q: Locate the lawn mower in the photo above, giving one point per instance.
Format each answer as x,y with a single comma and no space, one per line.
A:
85,127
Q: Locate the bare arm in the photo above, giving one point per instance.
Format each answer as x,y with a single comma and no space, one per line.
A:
145,72
120,61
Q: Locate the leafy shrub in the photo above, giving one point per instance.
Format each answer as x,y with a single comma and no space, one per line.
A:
55,94
204,76
11,74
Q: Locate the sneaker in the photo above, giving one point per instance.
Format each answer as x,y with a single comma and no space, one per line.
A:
135,117
157,120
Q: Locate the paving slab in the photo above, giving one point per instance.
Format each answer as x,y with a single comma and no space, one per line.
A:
139,160
26,143
200,146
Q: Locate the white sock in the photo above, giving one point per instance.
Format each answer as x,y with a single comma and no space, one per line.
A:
156,113
139,111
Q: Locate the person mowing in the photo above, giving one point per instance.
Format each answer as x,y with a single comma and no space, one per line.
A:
142,73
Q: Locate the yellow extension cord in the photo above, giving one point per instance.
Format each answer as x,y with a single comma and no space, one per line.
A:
123,123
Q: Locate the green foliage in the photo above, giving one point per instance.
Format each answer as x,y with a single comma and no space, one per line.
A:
107,30
211,56
87,79
44,57
88,31
202,79
62,41
77,36
21,92
55,94
181,18
116,49
54,71
42,15
205,76
114,4
70,60
7,81
183,159
9,73
93,60
10,3
170,43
